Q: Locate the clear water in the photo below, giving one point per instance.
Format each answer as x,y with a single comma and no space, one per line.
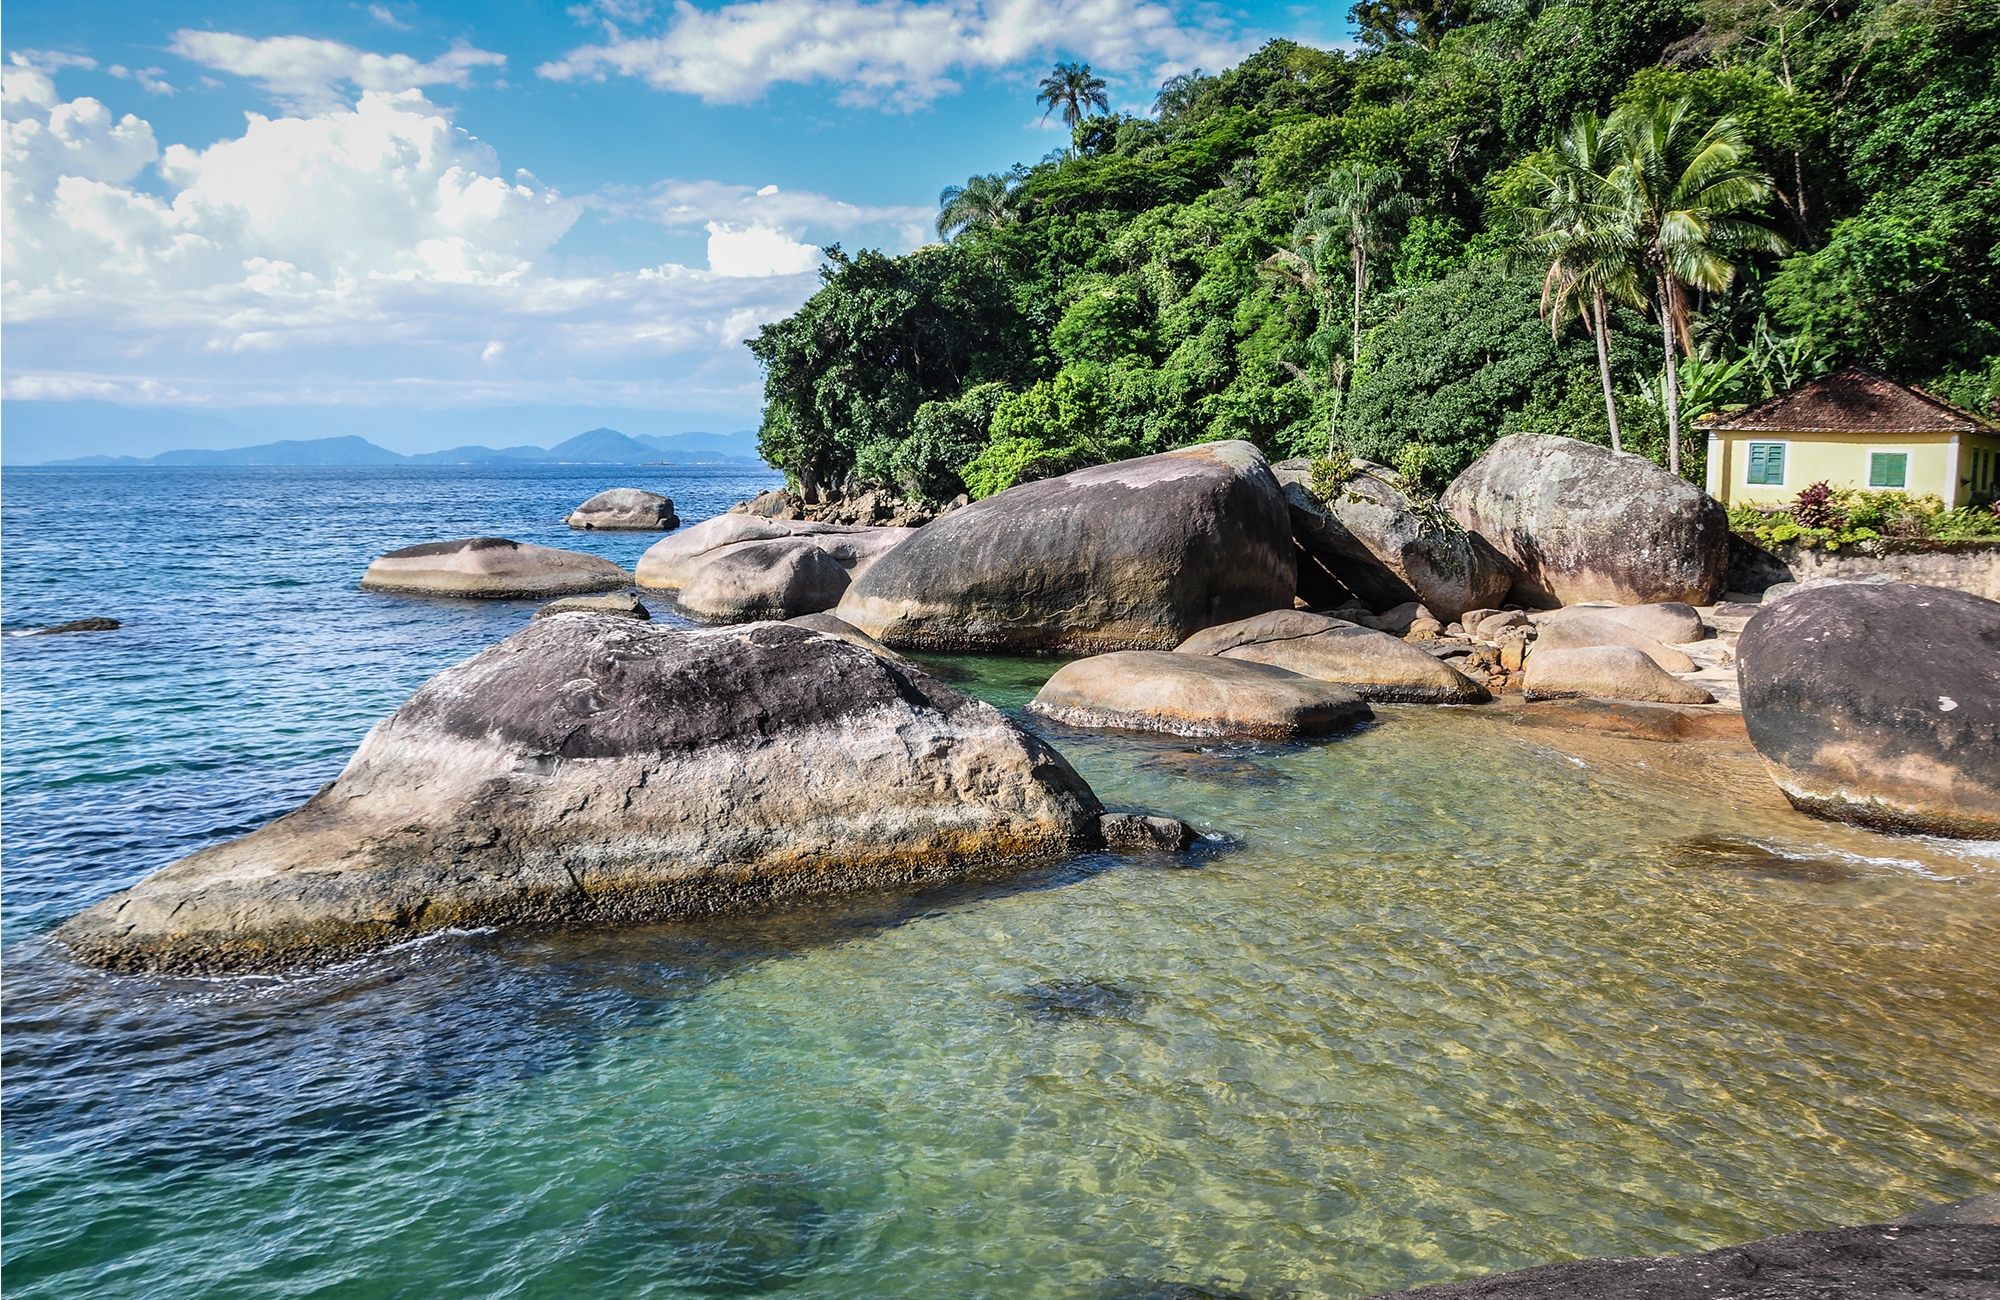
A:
1455,997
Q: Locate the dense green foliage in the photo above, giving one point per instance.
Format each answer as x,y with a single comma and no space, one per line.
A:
1189,277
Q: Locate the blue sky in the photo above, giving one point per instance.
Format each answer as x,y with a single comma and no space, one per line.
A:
259,210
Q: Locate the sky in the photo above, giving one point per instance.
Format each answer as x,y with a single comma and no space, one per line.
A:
346,217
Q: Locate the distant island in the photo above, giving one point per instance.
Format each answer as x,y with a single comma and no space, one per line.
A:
596,447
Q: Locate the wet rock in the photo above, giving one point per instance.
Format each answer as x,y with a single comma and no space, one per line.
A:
1668,622
828,625
1136,554
1581,523
763,580
626,510
1134,833
1195,695
1617,671
1879,704
1374,665
590,770
672,562
1984,1208
621,604
78,625
1076,999
1726,853
1208,765
491,568
1580,631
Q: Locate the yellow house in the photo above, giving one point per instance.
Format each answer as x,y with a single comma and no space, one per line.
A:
1852,429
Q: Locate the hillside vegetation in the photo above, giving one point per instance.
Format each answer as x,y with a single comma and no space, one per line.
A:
1455,188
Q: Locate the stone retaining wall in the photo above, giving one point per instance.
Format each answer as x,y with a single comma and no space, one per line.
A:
1963,566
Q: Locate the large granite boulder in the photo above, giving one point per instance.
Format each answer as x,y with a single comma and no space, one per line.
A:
1581,522
833,627
492,568
1389,550
1879,704
673,561
1577,633
589,770
763,580
1136,554
621,604
1610,671
1195,695
626,510
1669,622
1374,665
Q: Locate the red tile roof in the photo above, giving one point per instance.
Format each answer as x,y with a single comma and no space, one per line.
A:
1854,400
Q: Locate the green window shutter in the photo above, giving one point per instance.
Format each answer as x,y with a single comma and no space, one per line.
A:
1767,463
1888,469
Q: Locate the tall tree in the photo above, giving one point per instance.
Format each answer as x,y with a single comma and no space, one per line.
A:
1681,190
982,202
1073,89
1361,208
1578,226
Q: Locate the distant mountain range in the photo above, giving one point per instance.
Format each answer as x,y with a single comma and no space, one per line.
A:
597,447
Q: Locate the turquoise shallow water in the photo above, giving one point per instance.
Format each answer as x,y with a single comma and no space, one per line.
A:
1449,996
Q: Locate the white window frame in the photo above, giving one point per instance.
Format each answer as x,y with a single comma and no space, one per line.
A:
1868,467
1785,479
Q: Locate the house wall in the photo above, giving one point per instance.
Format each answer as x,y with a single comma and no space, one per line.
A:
1842,460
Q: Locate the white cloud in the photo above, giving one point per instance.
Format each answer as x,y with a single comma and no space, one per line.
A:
700,204
307,74
371,254
381,14
148,79
895,54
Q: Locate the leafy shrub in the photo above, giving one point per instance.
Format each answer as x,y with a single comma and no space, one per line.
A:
1815,506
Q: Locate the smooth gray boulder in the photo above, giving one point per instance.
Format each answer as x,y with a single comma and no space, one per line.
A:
1669,622
1582,523
590,770
763,580
830,626
1613,671
1388,550
1195,695
1579,632
1374,665
492,568
673,561
1879,704
1137,554
621,604
625,510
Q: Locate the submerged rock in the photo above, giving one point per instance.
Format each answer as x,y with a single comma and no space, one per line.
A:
1374,665
1615,671
621,605
78,625
1388,549
626,510
1580,522
752,580
589,770
1135,833
1136,554
1195,695
1584,630
491,568
673,562
1879,704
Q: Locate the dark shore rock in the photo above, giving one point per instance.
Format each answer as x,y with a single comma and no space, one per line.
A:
1388,550
1612,671
626,510
673,562
491,568
1752,568
1138,833
592,770
763,580
1879,704
1937,1261
1580,523
1195,695
1374,665
620,605
78,625
1137,554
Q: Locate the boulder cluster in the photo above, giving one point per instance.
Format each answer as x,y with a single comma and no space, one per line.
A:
863,501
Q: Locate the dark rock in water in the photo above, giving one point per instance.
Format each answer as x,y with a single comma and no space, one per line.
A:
776,579
626,510
1724,853
1195,695
1936,1261
1138,554
1206,765
78,625
1389,550
591,770
1580,522
1136,833
756,1238
1152,1288
622,605
1879,704
1076,999
491,568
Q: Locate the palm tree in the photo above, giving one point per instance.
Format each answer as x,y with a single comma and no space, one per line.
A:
1679,193
1577,225
1359,207
981,203
1177,94
1072,88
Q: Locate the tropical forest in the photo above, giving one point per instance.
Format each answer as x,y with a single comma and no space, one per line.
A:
1601,219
